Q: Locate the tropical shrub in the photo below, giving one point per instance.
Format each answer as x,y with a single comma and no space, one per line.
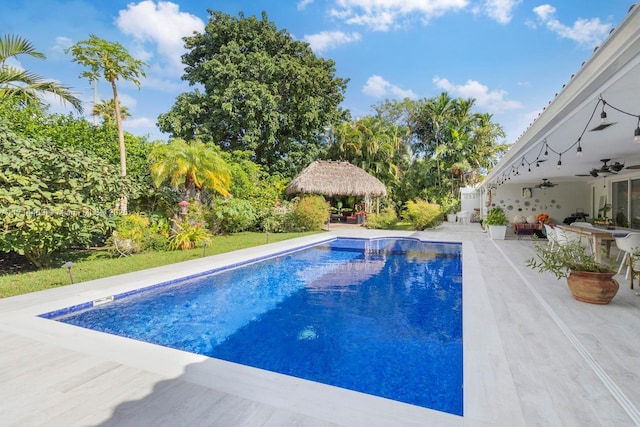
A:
138,232
310,213
448,203
278,218
386,219
129,234
231,216
496,216
188,234
422,214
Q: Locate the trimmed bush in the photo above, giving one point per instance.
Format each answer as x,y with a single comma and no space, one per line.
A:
422,214
310,213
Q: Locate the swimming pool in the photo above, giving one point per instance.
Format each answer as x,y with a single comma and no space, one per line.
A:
381,316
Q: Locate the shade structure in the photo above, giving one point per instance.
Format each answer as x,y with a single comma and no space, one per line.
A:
333,178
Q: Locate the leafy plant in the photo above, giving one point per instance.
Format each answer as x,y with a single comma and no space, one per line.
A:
52,199
138,232
231,215
279,218
562,259
188,234
310,213
384,220
496,216
449,204
422,214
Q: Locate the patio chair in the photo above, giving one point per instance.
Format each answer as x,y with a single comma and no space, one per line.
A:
628,244
463,217
552,237
563,237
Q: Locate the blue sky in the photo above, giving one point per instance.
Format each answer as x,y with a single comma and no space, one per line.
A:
512,56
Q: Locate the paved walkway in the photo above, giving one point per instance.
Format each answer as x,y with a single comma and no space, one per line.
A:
533,356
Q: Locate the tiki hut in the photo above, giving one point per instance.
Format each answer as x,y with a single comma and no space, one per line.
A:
332,178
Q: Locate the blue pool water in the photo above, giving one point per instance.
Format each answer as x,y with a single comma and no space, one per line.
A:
382,316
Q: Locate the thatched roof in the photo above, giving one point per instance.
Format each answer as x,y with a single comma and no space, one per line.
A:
331,178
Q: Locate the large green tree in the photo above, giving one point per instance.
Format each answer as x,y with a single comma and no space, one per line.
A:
22,85
113,62
263,92
51,198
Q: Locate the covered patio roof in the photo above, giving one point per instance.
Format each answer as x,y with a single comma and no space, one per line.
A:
609,81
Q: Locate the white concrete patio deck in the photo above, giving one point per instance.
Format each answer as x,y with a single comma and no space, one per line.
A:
533,356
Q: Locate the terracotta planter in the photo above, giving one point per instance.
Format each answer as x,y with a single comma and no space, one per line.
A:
594,288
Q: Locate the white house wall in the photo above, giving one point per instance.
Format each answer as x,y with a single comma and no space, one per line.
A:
558,202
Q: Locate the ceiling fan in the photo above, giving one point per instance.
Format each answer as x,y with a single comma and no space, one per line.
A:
605,169
546,184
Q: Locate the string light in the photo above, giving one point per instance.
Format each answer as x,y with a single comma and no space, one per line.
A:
579,149
604,123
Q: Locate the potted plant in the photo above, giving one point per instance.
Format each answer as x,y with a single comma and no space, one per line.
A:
588,280
497,222
602,218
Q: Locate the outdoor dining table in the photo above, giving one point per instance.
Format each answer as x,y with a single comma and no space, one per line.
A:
597,236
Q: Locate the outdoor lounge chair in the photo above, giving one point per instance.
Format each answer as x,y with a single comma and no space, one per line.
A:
356,218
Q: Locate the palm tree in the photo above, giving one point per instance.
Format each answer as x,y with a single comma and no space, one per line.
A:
113,62
431,125
106,109
190,166
22,85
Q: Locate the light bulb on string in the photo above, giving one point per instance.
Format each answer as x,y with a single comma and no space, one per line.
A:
579,149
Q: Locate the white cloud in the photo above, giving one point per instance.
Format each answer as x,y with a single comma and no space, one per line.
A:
587,32
137,123
378,87
303,4
58,48
127,100
492,101
501,10
383,15
161,24
326,40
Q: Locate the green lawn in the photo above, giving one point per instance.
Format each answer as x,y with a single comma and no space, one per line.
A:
90,265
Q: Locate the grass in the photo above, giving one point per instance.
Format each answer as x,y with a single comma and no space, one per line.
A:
96,264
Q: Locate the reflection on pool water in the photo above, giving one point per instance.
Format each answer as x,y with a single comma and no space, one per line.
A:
380,316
